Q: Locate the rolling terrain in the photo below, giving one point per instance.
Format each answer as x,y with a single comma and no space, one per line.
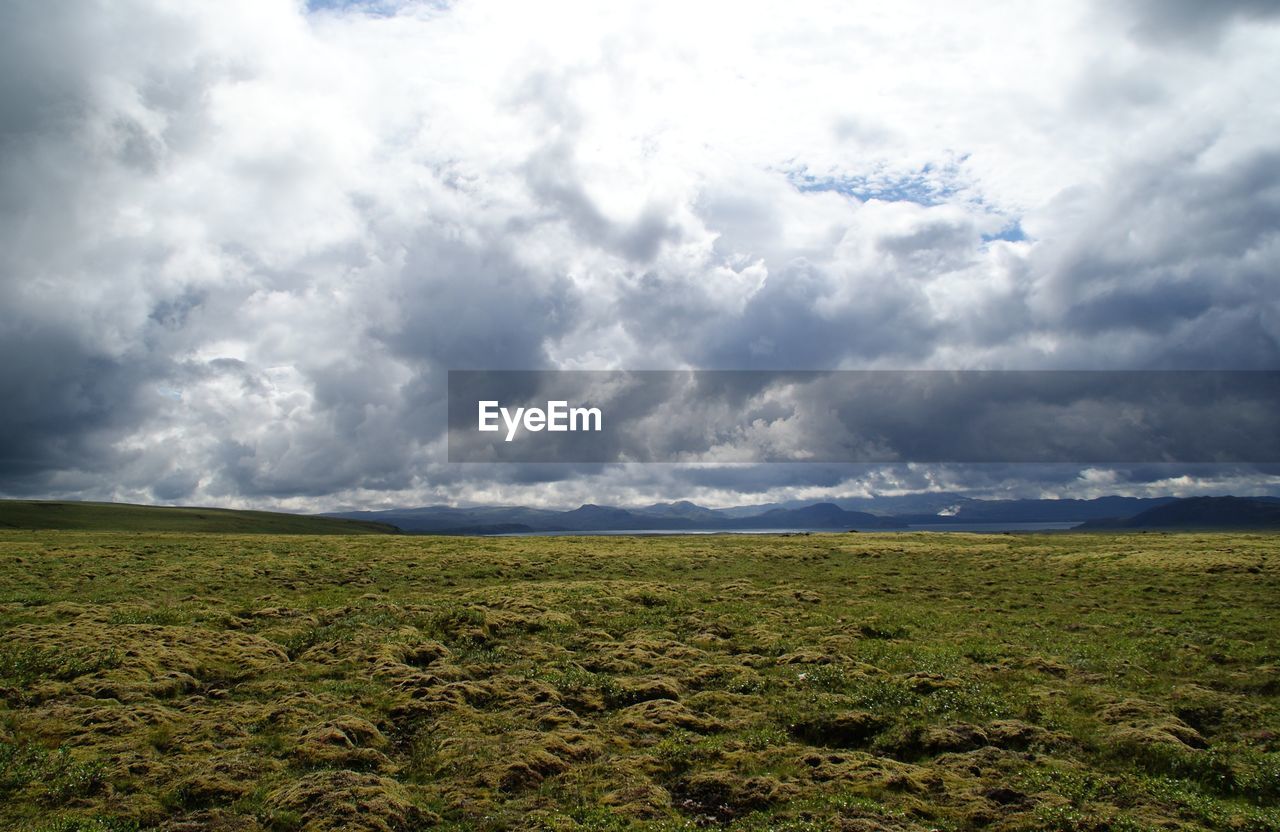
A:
83,516
904,682
1200,513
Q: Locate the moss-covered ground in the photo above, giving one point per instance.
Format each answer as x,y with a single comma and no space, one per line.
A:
124,517
844,681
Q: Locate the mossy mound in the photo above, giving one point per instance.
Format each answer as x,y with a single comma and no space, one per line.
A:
342,801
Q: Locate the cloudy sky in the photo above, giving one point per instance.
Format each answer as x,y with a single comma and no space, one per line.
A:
241,243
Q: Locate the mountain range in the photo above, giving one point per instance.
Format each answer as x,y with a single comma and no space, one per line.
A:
1201,513
679,516
863,514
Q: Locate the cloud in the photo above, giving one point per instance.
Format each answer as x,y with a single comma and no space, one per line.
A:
1191,22
240,246
1173,268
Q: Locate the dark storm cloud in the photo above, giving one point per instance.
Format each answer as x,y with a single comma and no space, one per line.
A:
756,479
471,306
884,416
805,315
63,403
984,479
1194,21
1176,249
783,326
74,383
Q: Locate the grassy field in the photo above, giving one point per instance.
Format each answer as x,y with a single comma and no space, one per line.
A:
854,682
71,515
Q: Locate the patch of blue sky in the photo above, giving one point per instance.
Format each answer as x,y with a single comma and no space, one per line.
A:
919,187
1012,233
929,185
375,8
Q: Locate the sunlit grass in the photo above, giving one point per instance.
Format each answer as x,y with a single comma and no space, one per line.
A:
899,681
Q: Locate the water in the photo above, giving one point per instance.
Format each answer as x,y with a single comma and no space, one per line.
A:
989,528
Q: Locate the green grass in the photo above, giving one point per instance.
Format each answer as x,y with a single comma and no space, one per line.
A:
79,516
898,681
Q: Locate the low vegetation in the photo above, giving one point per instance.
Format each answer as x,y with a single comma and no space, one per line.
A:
80,516
844,681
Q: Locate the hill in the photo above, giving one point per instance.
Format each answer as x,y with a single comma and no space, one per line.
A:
818,516
1200,513
46,514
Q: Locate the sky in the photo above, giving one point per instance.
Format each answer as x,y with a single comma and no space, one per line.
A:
242,243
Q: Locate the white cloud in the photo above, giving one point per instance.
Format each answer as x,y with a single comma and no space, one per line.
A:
298,220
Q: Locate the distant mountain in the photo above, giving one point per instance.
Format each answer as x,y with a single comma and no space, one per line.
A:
1099,514
893,512
817,516
1201,513
595,518
683,509
683,516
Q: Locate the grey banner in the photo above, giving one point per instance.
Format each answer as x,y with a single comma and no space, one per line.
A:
864,416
